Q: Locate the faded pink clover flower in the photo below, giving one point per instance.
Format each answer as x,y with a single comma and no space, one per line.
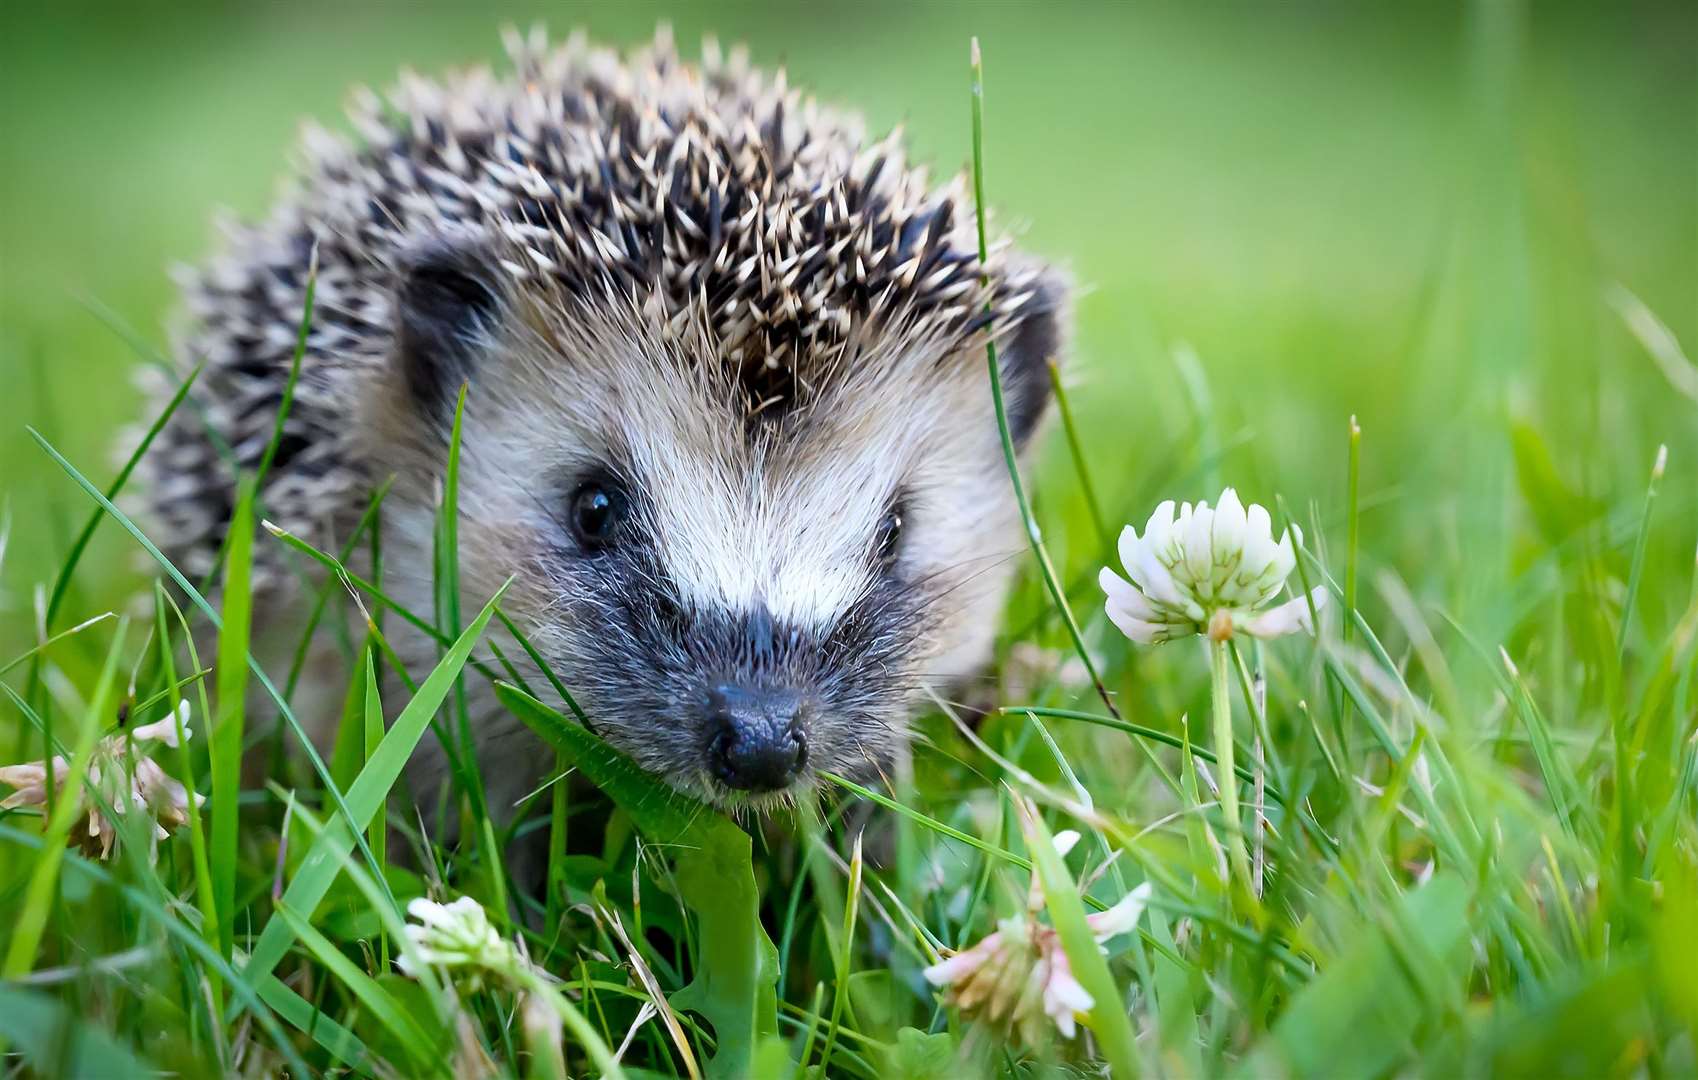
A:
1019,975
126,778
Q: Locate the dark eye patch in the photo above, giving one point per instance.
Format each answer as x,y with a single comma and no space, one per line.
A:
445,297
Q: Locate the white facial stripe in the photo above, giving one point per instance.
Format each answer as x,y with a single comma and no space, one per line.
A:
791,536
792,530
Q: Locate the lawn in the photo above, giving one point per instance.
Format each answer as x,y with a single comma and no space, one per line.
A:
1423,283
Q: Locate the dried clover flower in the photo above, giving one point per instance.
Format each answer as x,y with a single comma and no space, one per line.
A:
1019,974
125,777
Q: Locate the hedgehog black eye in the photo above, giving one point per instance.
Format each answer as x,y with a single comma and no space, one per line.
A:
597,511
888,540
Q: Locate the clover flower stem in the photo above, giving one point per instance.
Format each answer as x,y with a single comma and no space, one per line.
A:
1258,703
1221,672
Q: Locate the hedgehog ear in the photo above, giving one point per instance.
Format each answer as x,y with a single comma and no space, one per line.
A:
1025,352
446,299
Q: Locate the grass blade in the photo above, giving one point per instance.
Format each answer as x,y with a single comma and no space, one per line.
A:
736,968
289,384
374,733
368,523
1109,1019
48,643
928,822
228,731
1352,542
173,926
62,583
338,1041
200,602
1142,732
1051,581
842,960
365,795
423,1051
39,895
1334,1028
205,896
1065,408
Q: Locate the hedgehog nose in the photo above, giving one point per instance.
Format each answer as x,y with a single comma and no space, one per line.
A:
755,740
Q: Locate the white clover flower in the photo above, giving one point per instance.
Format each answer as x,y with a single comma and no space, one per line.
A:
455,935
1210,571
126,781
458,938
1019,974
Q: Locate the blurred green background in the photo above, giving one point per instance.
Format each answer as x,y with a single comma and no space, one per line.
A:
1411,213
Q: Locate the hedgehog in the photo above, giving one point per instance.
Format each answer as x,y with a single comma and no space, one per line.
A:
727,422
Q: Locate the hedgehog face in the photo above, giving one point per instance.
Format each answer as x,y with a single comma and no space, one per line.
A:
740,599
727,421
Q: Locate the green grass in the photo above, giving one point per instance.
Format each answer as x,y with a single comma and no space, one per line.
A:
1469,805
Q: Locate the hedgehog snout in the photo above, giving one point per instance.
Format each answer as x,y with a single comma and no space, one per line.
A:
756,741
744,698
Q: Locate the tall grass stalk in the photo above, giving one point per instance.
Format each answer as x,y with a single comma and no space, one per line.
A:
1033,533
227,730
206,897
1353,525
1064,407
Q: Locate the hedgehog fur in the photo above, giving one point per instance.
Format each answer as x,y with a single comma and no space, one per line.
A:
710,193
688,282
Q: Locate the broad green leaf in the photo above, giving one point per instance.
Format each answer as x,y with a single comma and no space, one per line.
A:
917,1055
771,1060
736,969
